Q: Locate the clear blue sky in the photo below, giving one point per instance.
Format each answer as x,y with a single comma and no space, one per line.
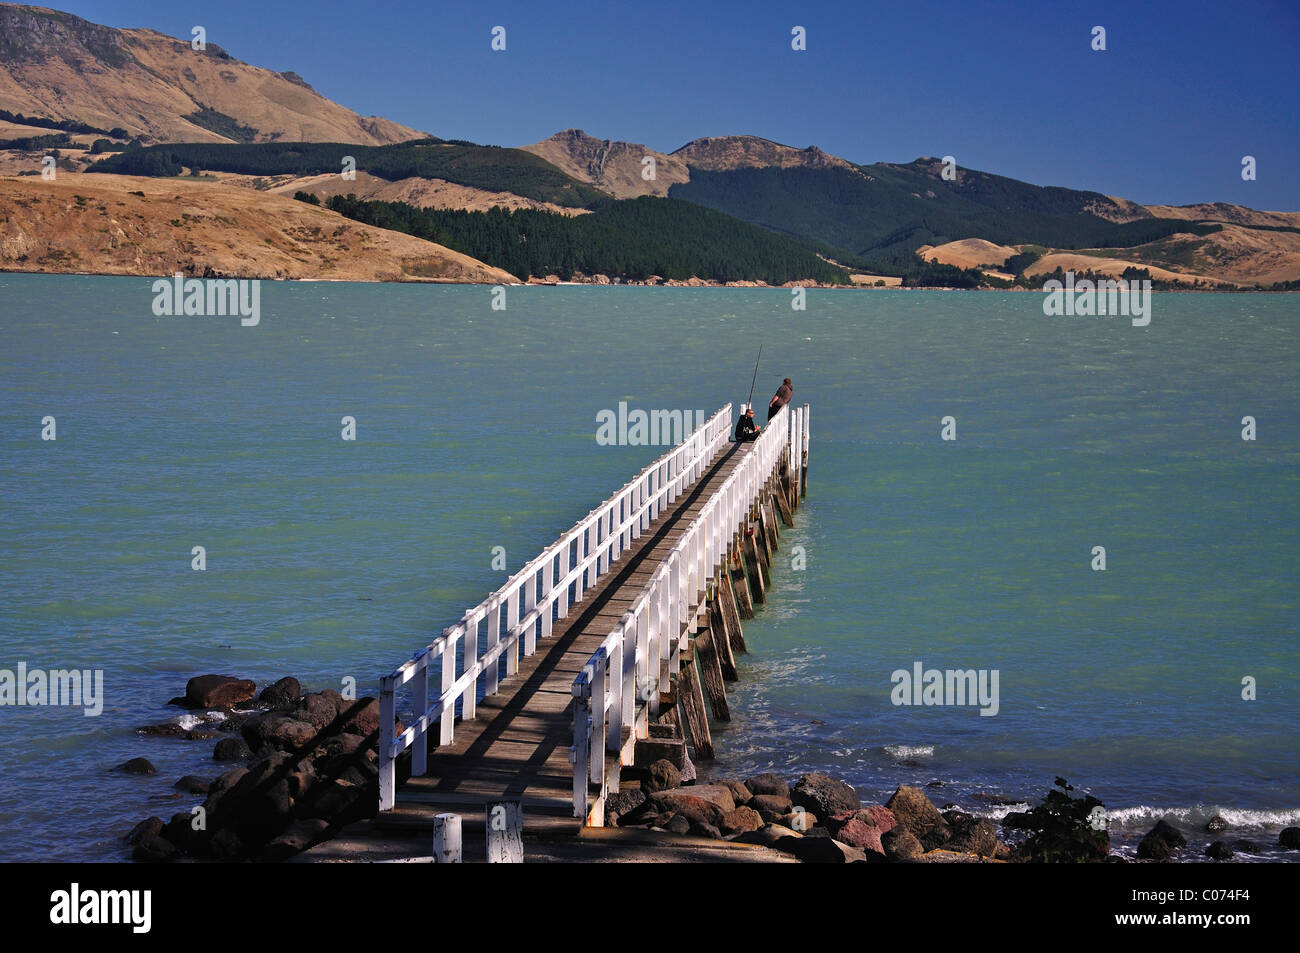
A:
1184,90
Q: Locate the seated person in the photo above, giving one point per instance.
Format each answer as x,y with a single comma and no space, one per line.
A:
746,429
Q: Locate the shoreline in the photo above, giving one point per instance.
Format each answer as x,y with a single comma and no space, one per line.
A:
673,283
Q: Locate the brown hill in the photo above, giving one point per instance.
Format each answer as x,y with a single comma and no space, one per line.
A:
95,223
724,153
1223,212
59,66
615,167
967,253
420,192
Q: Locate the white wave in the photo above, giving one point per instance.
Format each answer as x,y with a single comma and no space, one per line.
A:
910,751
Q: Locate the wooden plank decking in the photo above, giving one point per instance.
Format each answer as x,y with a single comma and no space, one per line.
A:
518,746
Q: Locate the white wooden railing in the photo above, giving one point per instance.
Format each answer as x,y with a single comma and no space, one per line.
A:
523,610
619,686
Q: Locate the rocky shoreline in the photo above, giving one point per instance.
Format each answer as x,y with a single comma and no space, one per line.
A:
305,765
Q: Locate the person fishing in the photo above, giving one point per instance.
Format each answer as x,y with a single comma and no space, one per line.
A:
746,429
780,398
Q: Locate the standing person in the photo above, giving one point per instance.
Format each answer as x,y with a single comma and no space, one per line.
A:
746,429
781,398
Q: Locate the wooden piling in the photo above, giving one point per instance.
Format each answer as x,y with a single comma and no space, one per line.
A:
769,511
727,601
782,497
803,476
706,658
755,576
690,701
722,638
739,584
764,554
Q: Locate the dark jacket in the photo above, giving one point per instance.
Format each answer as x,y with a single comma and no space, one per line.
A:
745,428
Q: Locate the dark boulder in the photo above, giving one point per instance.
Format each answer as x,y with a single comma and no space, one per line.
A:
913,810
296,838
820,850
1219,850
624,804
1161,842
1242,846
936,836
679,824
1290,838
661,776
857,834
149,826
706,830
900,844
167,729
361,717
281,694
768,783
205,733
138,766
339,802
231,749
218,691
192,784
771,806
974,837
696,810
822,795
739,792
1216,824
1017,821
154,849
741,820
226,845
319,709
278,732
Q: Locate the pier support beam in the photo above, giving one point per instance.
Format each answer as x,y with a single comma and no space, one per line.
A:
721,637
755,575
706,658
690,702
740,587
731,614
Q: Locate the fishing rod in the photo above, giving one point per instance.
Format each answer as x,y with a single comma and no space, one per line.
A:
750,403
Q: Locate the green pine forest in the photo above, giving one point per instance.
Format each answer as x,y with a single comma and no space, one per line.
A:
631,239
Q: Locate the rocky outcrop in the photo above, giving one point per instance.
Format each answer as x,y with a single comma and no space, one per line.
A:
311,771
218,691
1161,842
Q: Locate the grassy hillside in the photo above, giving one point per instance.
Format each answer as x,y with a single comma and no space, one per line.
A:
630,239
881,213
484,167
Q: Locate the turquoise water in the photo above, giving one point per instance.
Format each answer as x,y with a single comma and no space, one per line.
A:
329,559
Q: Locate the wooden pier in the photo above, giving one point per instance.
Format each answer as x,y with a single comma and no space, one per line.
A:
600,654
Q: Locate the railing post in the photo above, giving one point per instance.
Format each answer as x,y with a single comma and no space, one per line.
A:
469,659
599,700
387,766
420,703
530,603
512,632
580,753
548,582
490,676
447,718
639,652
614,711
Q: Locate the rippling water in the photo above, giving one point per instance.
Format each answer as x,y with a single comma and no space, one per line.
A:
329,559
